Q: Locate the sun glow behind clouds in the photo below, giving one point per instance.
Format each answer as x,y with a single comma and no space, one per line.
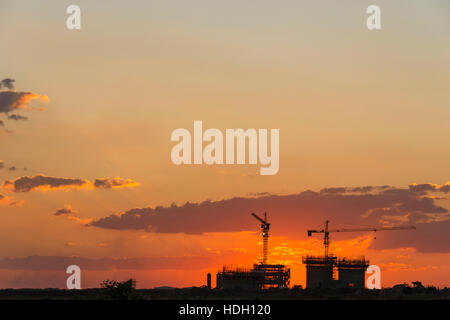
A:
149,70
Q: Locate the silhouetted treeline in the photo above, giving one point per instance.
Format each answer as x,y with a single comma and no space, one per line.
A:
402,291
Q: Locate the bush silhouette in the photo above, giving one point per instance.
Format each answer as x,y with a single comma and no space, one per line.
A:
120,290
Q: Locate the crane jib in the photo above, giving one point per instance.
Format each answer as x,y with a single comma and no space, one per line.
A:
326,232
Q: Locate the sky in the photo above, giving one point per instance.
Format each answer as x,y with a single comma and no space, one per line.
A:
86,117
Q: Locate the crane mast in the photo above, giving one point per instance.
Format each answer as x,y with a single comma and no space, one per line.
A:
326,233
265,225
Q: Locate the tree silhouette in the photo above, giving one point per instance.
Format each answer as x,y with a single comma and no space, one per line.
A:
116,290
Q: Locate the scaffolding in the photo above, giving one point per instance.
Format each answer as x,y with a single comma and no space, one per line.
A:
239,279
351,272
320,271
275,275
262,276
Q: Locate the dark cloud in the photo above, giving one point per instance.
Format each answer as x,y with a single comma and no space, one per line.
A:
432,237
27,184
259,194
429,187
2,164
11,100
67,210
108,183
17,117
7,83
291,215
333,190
16,203
13,168
365,189
45,183
61,263
14,100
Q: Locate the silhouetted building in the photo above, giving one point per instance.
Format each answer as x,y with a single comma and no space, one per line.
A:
352,272
260,277
239,279
275,275
208,280
319,271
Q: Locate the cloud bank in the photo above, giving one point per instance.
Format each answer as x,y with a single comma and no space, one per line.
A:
60,263
292,215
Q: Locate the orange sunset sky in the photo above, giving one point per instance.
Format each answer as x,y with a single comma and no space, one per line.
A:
86,118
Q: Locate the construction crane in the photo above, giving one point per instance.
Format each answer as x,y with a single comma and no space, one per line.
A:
265,225
326,232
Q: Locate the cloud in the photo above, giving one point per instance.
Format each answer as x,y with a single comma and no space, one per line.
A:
83,221
66,210
429,187
7,201
45,183
259,194
150,263
2,199
107,183
333,190
69,213
292,215
7,83
17,117
432,237
365,189
12,100
12,168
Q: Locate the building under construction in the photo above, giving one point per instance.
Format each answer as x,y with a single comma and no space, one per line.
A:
262,276
351,273
321,270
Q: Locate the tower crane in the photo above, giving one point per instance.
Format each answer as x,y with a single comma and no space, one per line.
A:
265,225
326,232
